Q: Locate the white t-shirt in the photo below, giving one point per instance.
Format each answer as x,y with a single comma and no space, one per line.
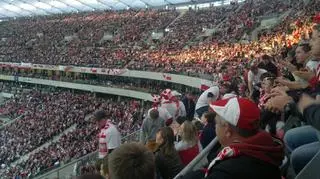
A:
163,113
109,138
203,99
172,108
255,79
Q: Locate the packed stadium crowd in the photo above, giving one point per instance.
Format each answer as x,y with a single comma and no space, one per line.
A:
271,84
45,115
44,39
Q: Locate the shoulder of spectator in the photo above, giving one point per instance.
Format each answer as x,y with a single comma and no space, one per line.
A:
312,114
221,171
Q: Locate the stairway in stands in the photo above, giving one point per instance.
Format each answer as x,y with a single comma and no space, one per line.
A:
200,38
45,145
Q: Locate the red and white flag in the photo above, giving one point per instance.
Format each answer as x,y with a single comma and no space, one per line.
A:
93,70
166,77
205,84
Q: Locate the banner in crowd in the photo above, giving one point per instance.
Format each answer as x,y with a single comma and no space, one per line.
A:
167,77
205,84
196,82
105,71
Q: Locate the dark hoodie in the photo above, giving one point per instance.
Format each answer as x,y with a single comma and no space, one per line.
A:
259,157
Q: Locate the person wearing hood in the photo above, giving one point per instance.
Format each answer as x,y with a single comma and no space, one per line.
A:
247,153
150,126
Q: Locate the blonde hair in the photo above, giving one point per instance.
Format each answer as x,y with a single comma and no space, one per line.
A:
189,133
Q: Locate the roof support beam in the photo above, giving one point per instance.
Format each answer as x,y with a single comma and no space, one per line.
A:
149,5
170,3
61,10
14,12
69,5
86,4
125,4
111,7
32,12
44,10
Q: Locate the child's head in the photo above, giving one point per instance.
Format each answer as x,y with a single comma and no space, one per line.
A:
267,82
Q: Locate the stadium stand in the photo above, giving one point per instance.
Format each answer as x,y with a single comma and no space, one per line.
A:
48,114
265,95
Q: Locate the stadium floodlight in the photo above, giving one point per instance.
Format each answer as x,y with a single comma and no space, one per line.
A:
12,8
42,5
57,4
27,7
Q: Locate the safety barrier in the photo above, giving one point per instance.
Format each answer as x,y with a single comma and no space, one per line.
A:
83,87
197,162
71,169
184,79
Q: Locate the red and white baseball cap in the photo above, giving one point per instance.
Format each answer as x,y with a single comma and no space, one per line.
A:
156,98
166,94
239,112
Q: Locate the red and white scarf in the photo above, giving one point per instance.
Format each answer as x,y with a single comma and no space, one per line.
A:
225,153
103,145
316,79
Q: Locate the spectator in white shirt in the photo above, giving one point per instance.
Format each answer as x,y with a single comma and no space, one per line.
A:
206,98
170,102
109,136
182,109
254,79
163,112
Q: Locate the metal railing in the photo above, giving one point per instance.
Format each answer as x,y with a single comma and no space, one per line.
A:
197,162
69,170
311,170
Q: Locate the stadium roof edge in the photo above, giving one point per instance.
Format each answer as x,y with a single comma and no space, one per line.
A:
29,8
